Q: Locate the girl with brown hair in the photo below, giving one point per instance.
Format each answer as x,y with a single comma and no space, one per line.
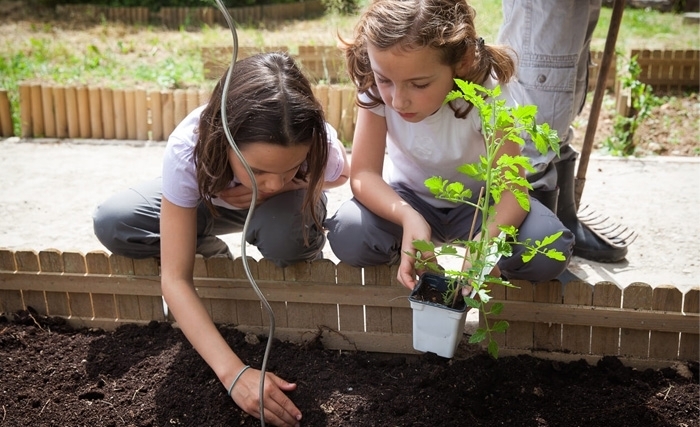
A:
404,58
206,190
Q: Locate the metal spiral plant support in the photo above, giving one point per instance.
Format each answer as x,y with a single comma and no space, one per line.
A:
254,185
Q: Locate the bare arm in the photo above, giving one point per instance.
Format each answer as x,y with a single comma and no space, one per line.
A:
371,190
345,174
178,244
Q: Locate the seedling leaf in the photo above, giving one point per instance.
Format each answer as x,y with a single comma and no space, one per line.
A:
478,336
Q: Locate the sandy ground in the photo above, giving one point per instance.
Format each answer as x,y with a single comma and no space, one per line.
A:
50,188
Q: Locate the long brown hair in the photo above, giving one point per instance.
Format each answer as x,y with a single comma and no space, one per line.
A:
269,100
445,25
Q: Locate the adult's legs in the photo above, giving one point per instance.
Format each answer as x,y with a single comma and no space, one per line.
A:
552,41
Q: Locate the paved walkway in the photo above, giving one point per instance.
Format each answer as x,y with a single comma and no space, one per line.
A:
49,188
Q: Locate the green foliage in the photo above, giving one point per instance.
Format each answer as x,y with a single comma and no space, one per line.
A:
499,173
341,7
56,61
622,142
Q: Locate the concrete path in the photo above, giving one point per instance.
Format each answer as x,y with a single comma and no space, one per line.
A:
49,188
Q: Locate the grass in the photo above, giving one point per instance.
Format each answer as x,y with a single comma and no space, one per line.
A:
116,55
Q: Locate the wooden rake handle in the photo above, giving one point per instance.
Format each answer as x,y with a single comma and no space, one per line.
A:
608,55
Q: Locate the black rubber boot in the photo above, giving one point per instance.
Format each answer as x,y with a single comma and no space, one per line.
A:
547,197
588,245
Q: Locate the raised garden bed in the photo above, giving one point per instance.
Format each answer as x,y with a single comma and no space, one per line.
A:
599,361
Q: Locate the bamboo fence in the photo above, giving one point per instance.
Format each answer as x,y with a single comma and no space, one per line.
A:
6,127
95,112
356,309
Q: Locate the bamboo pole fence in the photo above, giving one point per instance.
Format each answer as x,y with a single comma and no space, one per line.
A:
356,309
6,127
95,112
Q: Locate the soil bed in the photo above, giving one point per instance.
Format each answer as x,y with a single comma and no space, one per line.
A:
149,375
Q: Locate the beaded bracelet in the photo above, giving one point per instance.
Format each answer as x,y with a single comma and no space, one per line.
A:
235,380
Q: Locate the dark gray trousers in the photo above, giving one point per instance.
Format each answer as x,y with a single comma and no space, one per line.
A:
360,238
128,224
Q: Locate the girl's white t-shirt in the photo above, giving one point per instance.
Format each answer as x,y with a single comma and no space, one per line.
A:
179,173
435,146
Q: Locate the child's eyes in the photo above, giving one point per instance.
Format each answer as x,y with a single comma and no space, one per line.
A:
292,171
415,85
384,81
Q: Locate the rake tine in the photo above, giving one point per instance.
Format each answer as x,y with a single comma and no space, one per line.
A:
606,229
617,235
595,221
632,237
622,243
627,239
585,210
611,232
589,215
615,242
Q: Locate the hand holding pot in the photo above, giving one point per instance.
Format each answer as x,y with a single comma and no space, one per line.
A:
414,228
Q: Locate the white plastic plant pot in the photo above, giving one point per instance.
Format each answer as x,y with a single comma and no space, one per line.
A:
437,328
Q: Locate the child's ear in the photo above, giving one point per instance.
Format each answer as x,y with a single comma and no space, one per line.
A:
463,67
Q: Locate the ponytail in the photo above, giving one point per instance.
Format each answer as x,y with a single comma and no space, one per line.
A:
494,60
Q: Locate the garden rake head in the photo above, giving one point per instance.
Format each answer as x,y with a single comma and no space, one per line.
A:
614,234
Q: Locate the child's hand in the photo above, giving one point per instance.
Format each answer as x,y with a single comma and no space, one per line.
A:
240,196
279,409
416,228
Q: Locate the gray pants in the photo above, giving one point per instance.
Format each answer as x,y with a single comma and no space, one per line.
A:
360,238
128,224
552,40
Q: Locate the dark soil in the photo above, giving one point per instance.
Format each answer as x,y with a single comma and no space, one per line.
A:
52,375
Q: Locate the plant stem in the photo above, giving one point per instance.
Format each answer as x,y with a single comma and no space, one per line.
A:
471,235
